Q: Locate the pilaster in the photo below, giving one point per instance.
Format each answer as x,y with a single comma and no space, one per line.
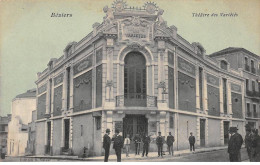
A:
205,94
71,87
162,123
197,90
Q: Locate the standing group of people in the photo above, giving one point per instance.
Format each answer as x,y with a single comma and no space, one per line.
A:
119,143
252,144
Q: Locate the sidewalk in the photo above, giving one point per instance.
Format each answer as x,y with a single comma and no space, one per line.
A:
151,155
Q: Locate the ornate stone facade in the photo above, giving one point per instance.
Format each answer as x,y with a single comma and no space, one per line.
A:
133,68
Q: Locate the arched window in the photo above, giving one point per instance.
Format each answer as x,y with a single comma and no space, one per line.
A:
223,64
135,79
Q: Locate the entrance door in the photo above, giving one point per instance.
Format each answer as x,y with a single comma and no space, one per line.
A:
134,124
202,132
226,133
48,138
135,80
67,133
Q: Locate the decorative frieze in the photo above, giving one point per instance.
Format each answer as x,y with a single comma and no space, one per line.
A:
42,89
213,80
58,79
235,87
83,65
186,66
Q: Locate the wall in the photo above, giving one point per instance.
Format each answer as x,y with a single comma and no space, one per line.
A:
214,135
40,138
57,133
186,125
83,138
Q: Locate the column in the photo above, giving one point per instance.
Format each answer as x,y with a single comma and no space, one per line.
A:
222,132
64,90
110,121
206,132
221,99
71,87
71,135
176,115
51,151
197,90
205,94
198,131
176,78
229,99
162,123
62,135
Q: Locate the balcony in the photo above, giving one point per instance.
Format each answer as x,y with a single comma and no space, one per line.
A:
255,115
136,100
247,68
252,93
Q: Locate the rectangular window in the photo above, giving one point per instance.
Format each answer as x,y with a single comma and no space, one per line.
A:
248,109
171,123
246,64
68,88
247,84
254,109
225,95
98,123
253,85
252,66
201,87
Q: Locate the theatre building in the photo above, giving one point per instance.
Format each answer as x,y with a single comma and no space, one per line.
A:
135,73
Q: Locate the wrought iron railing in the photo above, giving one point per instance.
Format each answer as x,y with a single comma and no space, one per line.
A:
252,93
136,100
255,115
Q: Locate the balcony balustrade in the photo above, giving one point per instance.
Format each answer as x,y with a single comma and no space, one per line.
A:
136,100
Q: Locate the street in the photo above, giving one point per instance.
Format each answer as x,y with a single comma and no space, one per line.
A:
213,156
209,156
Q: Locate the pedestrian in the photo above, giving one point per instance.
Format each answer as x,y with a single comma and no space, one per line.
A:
255,150
137,141
127,145
118,144
159,142
169,141
248,141
146,143
234,145
106,144
192,142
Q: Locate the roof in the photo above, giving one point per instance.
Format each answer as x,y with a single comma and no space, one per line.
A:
29,93
232,50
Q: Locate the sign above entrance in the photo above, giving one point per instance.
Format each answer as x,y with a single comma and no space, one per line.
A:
136,29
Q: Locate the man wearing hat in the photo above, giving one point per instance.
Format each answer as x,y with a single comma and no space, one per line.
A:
234,145
159,142
118,144
169,141
106,144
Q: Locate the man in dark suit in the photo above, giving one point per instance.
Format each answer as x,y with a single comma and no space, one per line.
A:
192,142
118,144
106,144
169,141
137,141
159,142
146,141
234,145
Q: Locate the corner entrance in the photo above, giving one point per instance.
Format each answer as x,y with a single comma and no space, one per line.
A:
135,124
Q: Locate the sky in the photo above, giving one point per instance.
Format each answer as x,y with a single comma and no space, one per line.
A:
30,37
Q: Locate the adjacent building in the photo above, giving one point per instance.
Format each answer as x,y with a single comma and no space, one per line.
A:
135,73
248,64
22,107
4,132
